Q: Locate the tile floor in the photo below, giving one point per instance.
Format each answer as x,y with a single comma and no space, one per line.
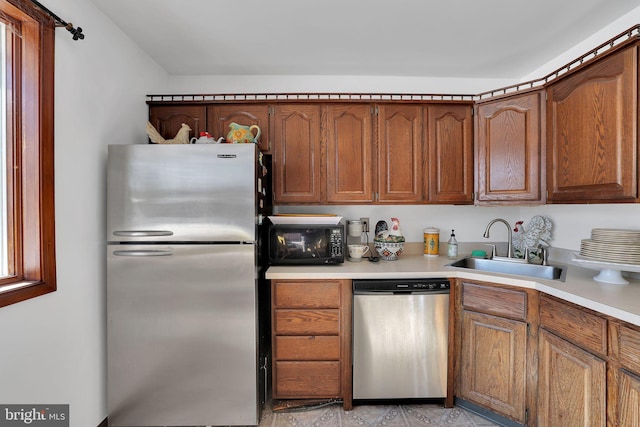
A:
374,415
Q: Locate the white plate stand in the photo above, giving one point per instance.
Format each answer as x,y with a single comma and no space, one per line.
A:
610,272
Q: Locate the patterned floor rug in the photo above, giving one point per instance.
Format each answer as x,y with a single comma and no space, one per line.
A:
375,415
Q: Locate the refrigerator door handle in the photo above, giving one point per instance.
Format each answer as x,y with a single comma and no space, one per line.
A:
143,233
143,253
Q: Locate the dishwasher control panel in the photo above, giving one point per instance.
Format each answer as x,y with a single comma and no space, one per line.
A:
401,285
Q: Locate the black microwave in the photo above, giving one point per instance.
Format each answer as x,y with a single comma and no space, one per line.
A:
306,244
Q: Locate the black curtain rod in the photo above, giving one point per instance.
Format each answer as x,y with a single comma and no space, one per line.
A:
77,32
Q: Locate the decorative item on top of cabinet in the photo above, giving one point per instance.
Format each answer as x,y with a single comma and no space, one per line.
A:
168,119
350,168
448,170
592,134
297,176
400,147
311,339
510,152
220,116
182,137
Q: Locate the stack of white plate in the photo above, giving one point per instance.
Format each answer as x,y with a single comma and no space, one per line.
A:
613,245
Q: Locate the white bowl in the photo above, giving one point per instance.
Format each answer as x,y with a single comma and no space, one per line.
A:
389,251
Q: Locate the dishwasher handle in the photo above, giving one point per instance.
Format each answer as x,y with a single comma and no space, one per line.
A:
402,286
403,292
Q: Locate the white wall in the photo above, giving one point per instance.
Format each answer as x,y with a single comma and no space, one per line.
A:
571,222
333,84
625,22
53,347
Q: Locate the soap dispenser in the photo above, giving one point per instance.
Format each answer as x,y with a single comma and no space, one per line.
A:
452,246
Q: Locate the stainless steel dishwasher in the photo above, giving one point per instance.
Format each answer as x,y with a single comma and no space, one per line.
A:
400,338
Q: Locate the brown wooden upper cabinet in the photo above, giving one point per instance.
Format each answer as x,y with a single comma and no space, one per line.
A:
448,170
297,174
510,150
219,116
349,152
399,177
168,119
350,168
592,132
577,145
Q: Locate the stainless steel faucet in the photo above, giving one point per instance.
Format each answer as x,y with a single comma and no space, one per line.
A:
509,236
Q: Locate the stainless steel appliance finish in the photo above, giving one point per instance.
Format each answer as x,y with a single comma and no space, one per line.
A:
400,330
182,330
188,193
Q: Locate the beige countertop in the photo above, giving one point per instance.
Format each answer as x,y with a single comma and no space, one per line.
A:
619,301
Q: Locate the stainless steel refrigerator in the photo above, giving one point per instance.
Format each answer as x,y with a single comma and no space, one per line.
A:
182,283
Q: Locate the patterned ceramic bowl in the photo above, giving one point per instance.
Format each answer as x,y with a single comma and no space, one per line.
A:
389,251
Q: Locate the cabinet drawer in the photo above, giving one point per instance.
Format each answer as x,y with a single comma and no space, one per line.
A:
307,379
499,301
294,294
307,348
629,348
306,322
576,325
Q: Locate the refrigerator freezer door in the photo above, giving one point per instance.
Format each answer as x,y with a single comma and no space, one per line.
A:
203,192
181,335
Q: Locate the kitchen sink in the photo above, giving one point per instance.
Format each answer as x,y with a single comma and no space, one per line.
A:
548,272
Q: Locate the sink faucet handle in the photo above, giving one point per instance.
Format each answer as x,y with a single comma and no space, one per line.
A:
545,255
527,254
493,250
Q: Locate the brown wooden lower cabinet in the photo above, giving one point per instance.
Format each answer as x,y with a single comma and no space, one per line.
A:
492,369
589,367
541,361
311,339
494,351
572,370
571,384
307,380
307,348
624,389
532,358
628,407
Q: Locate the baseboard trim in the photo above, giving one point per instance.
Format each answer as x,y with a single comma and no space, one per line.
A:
485,413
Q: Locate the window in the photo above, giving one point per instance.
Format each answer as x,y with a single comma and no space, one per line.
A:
27,246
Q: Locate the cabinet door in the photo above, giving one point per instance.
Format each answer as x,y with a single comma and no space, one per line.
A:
296,161
167,119
349,153
493,363
591,125
571,385
220,116
449,170
509,151
628,409
399,153
624,401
